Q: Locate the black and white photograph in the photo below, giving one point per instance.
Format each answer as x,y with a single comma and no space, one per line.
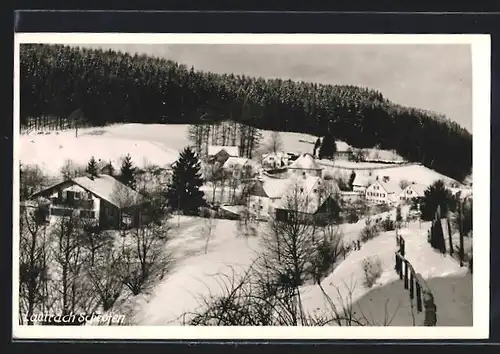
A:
240,186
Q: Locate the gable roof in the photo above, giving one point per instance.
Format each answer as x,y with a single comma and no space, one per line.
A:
418,188
390,187
305,162
238,161
111,190
231,150
104,187
361,180
304,189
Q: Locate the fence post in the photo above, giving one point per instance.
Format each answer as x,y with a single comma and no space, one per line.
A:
419,297
406,274
450,239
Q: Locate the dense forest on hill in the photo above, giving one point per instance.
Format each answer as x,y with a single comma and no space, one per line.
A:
109,87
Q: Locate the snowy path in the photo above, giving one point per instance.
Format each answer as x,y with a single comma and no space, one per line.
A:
348,277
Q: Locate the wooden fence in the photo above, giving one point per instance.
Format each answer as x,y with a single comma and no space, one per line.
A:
415,284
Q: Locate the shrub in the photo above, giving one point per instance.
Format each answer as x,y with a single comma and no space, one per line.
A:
387,224
352,217
369,231
372,268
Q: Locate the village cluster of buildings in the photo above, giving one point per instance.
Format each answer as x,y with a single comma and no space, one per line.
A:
276,180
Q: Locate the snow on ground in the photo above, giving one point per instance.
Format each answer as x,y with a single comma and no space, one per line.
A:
51,151
194,271
347,280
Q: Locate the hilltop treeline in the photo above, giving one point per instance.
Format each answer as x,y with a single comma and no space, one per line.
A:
109,86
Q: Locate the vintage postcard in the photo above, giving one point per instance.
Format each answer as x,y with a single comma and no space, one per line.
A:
243,186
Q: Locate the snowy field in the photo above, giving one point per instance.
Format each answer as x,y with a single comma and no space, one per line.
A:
158,144
195,275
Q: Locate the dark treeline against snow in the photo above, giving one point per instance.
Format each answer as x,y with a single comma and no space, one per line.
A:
111,87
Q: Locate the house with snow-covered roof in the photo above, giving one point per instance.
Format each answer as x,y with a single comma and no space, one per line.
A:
277,159
413,191
219,153
305,164
383,191
308,198
101,199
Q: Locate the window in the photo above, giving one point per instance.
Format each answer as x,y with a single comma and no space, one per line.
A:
77,195
301,190
87,214
315,190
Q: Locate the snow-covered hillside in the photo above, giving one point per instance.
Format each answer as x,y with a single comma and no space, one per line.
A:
50,151
195,273
160,144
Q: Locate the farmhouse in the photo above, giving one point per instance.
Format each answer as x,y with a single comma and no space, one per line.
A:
360,183
240,167
413,191
309,199
383,191
275,160
219,154
102,198
344,151
305,165
264,193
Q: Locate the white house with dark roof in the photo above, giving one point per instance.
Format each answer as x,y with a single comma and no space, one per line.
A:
383,191
101,198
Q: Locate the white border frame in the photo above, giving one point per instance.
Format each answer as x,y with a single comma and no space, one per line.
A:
481,66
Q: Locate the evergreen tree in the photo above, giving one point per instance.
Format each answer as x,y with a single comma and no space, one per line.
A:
317,145
328,147
437,236
183,194
92,167
127,172
352,177
435,195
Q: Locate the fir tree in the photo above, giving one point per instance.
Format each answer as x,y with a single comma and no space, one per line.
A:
127,171
317,145
437,236
435,195
352,177
92,167
183,194
328,147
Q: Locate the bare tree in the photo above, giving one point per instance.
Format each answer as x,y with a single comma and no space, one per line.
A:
34,256
104,274
70,170
69,257
145,257
274,143
208,225
215,177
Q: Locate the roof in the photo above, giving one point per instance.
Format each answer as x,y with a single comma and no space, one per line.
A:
305,162
361,180
239,161
275,187
342,146
111,190
278,155
418,188
231,150
305,189
390,186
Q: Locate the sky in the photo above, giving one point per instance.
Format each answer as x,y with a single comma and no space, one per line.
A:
433,77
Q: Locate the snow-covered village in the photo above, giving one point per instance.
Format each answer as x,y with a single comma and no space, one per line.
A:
173,196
